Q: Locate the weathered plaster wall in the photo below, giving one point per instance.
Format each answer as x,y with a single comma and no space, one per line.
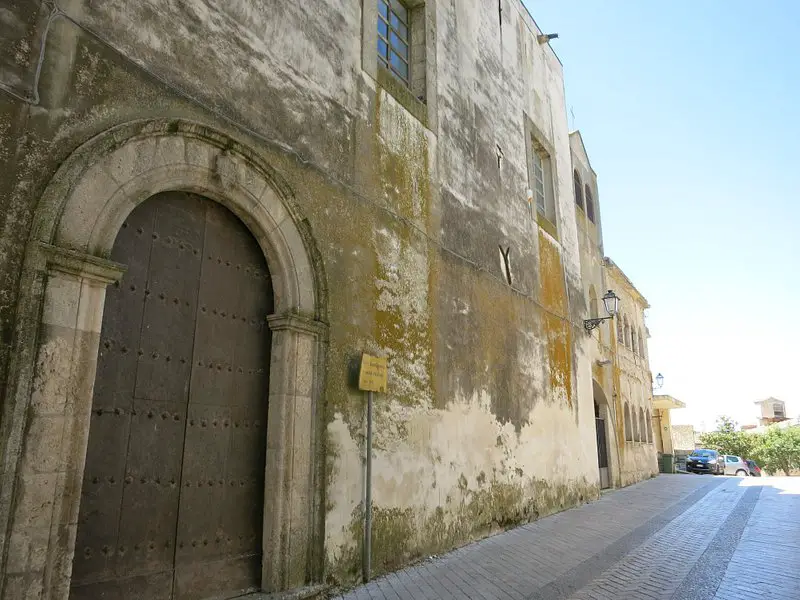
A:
683,437
488,420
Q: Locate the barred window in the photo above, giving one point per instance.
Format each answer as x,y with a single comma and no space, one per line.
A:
539,189
393,38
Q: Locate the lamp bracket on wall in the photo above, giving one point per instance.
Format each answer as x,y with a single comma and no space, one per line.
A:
611,304
589,324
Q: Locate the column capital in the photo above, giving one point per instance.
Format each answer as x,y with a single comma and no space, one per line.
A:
298,322
85,266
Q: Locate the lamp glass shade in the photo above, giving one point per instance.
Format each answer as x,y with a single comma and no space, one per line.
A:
659,380
611,302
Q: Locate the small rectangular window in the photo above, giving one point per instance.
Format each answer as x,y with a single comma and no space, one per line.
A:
393,38
540,176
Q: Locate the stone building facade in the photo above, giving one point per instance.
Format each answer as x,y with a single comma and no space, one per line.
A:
633,380
209,211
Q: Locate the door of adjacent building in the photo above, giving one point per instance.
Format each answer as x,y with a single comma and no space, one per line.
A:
173,488
602,447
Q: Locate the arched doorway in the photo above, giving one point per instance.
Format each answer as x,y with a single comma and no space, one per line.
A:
173,488
600,412
57,348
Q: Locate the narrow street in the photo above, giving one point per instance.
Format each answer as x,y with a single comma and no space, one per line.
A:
676,537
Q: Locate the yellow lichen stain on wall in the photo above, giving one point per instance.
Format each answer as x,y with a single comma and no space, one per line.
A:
553,297
403,328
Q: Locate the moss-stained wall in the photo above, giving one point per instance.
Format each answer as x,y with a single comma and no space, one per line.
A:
488,420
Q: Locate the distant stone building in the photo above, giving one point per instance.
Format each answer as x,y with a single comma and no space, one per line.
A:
772,411
631,376
209,211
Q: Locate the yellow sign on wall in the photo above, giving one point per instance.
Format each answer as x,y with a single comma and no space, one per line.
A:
373,375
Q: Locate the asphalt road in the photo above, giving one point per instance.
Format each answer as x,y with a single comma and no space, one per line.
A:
675,537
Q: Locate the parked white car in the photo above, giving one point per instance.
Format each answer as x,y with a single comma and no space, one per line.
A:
735,465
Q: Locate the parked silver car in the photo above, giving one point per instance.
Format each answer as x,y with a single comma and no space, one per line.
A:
735,465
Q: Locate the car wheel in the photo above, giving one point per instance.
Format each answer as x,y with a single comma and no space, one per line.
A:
741,473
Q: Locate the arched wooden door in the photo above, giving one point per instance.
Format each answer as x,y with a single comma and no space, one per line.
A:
172,497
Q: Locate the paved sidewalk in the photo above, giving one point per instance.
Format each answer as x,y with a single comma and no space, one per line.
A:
676,537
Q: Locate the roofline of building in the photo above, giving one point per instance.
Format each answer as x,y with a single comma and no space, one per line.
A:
579,135
538,30
615,268
670,401
770,399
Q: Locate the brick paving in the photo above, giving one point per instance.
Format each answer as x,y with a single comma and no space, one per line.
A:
676,537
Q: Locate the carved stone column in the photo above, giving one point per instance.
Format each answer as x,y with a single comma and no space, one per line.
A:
48,481
292,432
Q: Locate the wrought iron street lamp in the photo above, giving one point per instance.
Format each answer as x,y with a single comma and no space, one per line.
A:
659,381
611,304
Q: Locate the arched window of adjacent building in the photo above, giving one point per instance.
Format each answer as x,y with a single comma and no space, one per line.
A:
637,433
649,418
587,196
642,426
642,353
628,423
626,333
634,340
620,331
578,186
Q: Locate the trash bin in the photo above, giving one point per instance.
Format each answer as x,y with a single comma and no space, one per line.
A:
666,464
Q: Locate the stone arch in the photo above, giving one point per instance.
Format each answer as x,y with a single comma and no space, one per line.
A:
56,341
87,201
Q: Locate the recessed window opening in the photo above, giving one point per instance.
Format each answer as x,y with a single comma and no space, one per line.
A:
578,187
539,158
589,204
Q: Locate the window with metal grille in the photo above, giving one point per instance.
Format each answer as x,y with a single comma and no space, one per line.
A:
539,164
393,38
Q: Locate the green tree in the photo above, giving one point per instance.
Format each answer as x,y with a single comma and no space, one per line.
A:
726,440
780,449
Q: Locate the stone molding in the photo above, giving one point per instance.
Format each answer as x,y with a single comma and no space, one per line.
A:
85,266
299,323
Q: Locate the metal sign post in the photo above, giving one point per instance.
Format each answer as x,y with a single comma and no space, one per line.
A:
366,560
372,378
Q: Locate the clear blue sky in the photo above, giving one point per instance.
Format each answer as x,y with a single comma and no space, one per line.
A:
690,114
